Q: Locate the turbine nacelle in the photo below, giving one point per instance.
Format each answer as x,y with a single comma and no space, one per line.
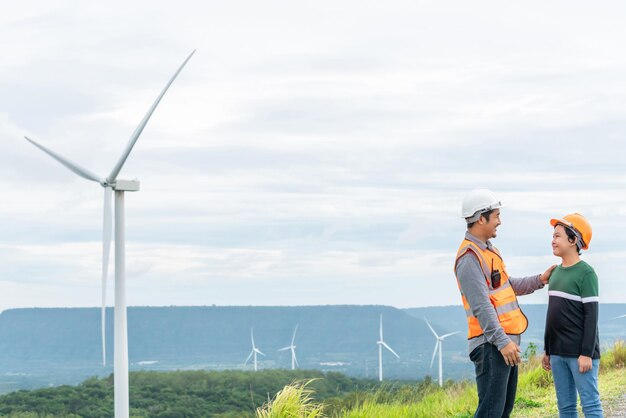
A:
126,185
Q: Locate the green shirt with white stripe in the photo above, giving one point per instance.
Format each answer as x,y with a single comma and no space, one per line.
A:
572,318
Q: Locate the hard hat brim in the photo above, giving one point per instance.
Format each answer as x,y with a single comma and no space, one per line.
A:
555,222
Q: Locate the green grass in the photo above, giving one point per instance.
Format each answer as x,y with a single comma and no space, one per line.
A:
535,394
455,400
293,401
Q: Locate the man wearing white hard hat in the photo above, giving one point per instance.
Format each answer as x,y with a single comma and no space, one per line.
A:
494,318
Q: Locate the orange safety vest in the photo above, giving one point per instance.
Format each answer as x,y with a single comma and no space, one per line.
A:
503,299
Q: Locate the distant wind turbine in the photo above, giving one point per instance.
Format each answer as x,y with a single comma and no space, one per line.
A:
109,184
294,361
254,351
381,343
618,317
439,345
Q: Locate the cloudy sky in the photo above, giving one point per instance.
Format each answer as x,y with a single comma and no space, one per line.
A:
310,152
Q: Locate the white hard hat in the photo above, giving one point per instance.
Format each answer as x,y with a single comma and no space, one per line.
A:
477,202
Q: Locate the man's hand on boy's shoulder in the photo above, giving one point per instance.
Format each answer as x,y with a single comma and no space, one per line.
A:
545,277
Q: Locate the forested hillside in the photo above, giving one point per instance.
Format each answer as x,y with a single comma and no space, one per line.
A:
177,394
44,347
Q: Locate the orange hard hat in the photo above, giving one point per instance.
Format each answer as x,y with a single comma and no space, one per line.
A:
579,224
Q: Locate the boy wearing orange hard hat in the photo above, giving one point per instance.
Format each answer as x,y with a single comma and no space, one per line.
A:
572,344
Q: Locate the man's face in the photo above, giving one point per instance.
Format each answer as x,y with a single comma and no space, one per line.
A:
491,226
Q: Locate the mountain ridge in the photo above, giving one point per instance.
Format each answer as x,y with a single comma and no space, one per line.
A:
43,346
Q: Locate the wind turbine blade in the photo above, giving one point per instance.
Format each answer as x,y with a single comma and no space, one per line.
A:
434,354
389,348
294,357
249,357
447,335
107,226
284,349
294,335
83,172
618,317
131,143
431,328
252,338
259,351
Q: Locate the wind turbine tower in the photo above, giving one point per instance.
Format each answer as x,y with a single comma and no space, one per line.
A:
439,346
254,351
110,184
381,343
294,361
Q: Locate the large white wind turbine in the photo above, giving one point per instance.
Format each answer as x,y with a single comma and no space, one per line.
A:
109,184
381,343
294,361
254,351
439,345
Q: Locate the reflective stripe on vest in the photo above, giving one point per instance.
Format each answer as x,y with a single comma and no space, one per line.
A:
503,299
501,309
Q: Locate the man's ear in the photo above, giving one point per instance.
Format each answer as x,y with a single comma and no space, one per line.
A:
481,220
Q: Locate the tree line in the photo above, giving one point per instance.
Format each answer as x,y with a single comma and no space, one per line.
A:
223,394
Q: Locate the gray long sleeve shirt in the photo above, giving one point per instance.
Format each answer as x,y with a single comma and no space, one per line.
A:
474,287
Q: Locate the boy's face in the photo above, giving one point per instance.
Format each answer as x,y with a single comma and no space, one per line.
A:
560,244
